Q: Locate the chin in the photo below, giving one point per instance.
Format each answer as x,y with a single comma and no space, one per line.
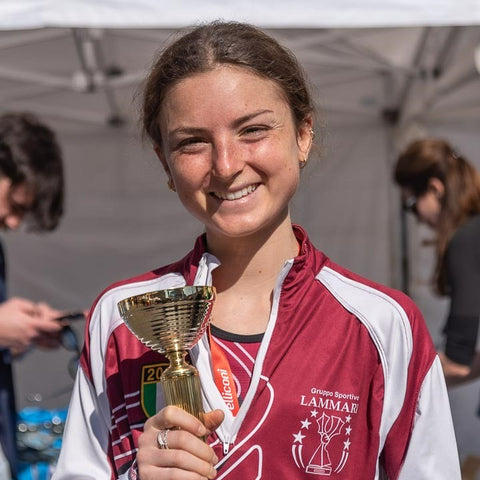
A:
231,230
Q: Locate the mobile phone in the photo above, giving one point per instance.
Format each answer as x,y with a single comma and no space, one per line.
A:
71,316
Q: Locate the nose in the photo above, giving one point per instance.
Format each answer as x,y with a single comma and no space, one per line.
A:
227,159
12,221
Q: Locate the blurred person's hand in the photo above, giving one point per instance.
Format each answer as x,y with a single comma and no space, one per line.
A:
49,331
23,323
456,373
53,339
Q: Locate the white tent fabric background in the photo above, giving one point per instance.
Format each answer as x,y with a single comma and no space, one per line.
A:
20,14
381,72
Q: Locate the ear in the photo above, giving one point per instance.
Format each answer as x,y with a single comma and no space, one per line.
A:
305,136
436,186
161,157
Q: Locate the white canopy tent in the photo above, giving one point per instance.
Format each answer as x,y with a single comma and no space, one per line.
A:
382,73
21,14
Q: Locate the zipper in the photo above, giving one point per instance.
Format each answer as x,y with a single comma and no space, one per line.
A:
226,446
284,272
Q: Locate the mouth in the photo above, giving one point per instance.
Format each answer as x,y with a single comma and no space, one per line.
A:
230,196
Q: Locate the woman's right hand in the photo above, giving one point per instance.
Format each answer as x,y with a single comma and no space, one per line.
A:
187,455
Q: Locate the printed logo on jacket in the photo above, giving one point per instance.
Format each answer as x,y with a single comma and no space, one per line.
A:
149,397
321,445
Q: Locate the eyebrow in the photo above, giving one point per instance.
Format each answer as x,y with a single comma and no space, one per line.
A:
235,124
249,117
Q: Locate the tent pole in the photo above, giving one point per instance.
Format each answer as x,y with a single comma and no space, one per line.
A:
399,258
404,257
94,71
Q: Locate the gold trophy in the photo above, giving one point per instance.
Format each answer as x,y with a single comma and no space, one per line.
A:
171,322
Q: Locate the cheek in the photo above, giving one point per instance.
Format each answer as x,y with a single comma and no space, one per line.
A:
423,210
183,173
274,157
428,210
189,180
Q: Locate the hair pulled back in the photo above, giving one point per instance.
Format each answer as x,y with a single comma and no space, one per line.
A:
436,158
216,43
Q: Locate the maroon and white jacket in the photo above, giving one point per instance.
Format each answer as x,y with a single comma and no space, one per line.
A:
346,383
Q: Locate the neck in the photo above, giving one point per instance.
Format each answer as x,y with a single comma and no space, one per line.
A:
247,275
253,260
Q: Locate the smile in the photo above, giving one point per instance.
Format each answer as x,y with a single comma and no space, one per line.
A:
236,195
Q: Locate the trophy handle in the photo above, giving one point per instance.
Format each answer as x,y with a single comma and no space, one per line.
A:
181,385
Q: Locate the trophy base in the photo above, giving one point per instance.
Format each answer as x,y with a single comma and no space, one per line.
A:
319,469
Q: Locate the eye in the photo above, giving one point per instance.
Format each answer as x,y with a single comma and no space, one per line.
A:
189,144
255,131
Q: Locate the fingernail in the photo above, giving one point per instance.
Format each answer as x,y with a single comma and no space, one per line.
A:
212,473
215,459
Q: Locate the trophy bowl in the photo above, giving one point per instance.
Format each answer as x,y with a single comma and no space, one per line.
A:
171,322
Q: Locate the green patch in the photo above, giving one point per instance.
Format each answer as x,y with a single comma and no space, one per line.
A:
150,383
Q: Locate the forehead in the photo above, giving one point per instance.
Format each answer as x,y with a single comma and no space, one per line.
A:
225,88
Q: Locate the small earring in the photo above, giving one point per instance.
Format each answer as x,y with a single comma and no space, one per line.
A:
171,185
312,133
303,162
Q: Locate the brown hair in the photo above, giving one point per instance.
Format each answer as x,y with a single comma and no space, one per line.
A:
216,43
436,158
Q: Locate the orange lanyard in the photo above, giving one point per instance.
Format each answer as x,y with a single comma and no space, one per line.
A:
222,374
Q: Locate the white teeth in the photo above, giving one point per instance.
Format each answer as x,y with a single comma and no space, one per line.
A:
236,195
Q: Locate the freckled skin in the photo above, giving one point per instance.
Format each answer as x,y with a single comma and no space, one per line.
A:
225,130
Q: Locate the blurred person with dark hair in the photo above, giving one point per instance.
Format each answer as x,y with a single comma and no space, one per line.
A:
31,193
442,188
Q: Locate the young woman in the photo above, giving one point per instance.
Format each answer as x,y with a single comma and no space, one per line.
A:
335,376
443,190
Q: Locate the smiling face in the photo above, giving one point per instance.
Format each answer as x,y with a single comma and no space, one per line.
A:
232,149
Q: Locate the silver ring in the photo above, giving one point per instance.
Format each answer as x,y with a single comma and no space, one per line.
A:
162,439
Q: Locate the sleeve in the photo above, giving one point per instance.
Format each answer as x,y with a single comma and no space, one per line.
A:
432,449
85,439
463,273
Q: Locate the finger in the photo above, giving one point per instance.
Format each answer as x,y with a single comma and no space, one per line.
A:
47,312
46,319
183,450
175,417
149,472
49,328
23,305
186,434
180,451
45,328
195,446
213,419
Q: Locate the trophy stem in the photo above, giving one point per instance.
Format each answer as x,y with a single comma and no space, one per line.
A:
181,384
